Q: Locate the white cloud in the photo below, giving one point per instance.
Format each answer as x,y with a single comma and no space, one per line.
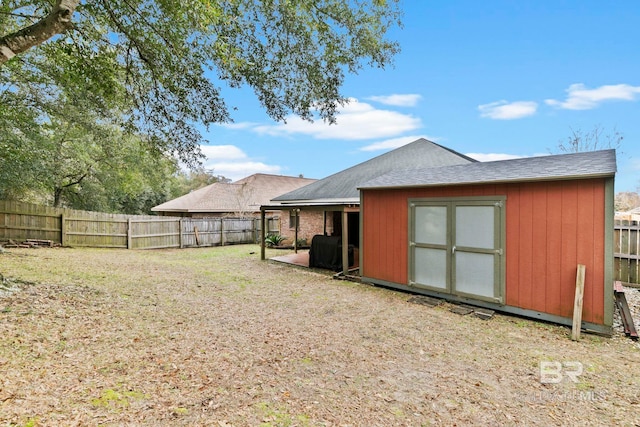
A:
398,100
492,157
394,143
503,110
581,98
222,152
233,163
355,121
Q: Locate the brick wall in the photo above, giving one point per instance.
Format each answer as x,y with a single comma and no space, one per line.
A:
311,223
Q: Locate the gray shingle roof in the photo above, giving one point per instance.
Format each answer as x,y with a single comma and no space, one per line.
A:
245,195
343,186
545,168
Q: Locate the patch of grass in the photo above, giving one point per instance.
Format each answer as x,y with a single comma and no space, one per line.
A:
180,411
398,412
306,360
31,422
117,400
585,386
61,345
278,417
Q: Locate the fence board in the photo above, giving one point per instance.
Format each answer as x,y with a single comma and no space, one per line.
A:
627,251
21,221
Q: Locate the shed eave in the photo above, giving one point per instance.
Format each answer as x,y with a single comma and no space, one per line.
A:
318,202
496,181
312,206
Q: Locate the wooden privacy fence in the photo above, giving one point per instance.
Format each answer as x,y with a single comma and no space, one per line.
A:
21,221
627,251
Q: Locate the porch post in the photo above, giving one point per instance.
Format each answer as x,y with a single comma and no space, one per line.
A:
324,223
345,242
262,227
295,239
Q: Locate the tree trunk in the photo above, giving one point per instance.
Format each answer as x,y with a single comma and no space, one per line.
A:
56,22
57,197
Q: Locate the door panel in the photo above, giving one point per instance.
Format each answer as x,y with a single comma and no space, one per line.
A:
456,246
475,274
431,267
474,226
430,245
431,225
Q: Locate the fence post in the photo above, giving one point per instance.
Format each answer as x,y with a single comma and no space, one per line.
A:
63,239
255,230
129,237
180,239
221,231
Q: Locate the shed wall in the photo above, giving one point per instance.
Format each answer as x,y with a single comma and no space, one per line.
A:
550,228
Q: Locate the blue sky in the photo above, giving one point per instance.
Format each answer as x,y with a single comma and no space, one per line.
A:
492,80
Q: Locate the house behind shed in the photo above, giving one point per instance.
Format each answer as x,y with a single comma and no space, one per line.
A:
505,235
240,199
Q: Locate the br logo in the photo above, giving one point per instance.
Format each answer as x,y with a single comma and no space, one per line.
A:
554,372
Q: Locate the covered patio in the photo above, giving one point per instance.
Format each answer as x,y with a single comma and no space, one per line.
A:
301,258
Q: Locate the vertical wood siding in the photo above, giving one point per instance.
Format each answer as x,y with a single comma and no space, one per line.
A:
551,228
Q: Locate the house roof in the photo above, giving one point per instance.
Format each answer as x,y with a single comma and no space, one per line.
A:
544,168
245,195
342,187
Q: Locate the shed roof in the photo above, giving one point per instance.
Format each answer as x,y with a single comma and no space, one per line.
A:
244,195
342,187
544,168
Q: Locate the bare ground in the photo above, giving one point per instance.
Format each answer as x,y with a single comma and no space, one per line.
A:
218,337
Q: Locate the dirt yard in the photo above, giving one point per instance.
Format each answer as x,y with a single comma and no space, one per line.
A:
217,337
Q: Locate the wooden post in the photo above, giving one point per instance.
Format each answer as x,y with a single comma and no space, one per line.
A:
63,239
255,230
180,238
324,223
262,227
295,234
129,237
345,243
195,232
577,305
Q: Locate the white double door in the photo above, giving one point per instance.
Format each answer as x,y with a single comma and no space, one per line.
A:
456,247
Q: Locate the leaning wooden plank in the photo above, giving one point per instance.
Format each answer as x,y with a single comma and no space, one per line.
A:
577,304
617,286
483,313
195,231
40,241
625,314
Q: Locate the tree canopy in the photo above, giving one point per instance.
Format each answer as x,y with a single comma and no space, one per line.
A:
156,68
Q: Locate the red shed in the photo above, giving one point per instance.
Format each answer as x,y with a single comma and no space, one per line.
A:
506,235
